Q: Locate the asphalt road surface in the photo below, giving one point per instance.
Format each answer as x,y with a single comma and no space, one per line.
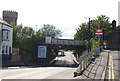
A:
67,60
42,72
38,73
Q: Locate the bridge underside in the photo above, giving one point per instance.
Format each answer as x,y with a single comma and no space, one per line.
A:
63,47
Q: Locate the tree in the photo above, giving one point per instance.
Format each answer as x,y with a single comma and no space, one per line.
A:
28,40
50,31
82,31
27,32
16,34
22,37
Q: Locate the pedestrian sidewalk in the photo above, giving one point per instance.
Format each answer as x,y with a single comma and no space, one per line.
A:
96,70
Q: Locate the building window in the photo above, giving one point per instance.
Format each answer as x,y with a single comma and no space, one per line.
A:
5,35
9,50
2,49
6,49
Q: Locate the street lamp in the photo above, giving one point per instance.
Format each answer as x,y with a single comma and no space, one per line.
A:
89,37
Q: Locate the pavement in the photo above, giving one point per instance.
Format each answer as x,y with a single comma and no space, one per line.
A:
116,63
67,60
106,66
96,70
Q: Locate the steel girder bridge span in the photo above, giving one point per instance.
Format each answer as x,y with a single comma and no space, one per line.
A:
63,44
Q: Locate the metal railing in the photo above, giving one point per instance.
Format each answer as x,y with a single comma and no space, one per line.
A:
87,58
49,40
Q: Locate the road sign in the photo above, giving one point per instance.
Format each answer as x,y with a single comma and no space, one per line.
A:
98,36
99,31
48,40
42,51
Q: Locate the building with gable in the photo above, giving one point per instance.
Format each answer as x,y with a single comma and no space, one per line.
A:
6,38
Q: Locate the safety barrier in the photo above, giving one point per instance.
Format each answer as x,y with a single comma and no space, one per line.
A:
86,59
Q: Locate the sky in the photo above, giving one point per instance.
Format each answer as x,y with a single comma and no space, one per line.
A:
65,15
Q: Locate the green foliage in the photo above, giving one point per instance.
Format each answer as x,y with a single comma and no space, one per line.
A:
85,43
16,34
27,32
82,33
27,39
94,43
50,31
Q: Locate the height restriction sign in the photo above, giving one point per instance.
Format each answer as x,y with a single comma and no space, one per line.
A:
99,31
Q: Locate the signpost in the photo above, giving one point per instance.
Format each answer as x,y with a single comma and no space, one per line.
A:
99,33
42,51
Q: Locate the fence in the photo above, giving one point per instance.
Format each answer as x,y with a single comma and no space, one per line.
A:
87,58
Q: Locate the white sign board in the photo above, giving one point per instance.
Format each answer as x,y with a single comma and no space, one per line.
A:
42,51
48,40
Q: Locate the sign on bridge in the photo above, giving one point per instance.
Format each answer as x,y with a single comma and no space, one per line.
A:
49,40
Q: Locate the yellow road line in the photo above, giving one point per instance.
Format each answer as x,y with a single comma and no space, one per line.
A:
111,69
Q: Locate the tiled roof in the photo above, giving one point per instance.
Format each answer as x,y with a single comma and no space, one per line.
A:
4,22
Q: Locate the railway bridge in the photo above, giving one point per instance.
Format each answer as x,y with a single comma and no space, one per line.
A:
52,44
63,44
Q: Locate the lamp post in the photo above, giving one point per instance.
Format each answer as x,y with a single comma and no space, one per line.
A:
89,34
89,46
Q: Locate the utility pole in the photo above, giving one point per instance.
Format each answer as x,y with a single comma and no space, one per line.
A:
101,36
89,46
89,34
36,29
